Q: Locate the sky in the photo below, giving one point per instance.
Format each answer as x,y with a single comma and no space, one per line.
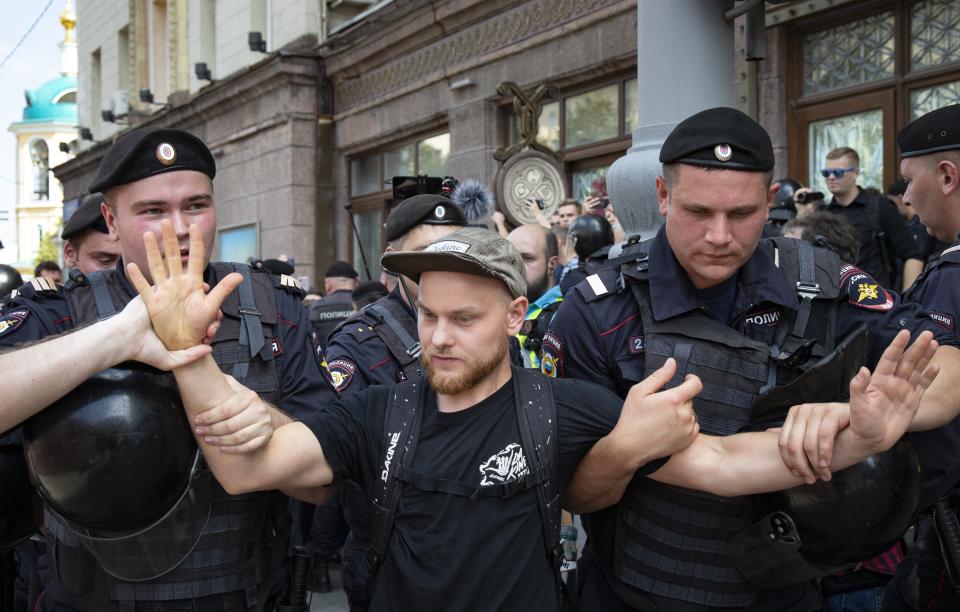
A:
36,61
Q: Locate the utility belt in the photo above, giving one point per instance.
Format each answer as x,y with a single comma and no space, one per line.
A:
938,535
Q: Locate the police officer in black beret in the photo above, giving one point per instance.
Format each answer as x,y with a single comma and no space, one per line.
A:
339,282
930,163
88,245
379,345
737,313
264,340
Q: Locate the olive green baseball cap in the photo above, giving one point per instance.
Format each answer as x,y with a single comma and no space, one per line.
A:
472,250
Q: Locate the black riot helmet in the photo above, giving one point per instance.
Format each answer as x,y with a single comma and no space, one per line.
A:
788,187
814,530
592,236
16,497
116,463
10,279
861,512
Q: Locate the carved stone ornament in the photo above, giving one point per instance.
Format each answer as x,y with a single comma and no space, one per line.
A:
527,176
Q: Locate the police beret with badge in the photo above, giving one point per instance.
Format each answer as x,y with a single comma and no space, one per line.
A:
719,138
87,216
471,250
938,130
147,152
423,209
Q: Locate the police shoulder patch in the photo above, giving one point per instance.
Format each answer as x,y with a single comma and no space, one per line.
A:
863,291
12,320
551,356
943,319
340,373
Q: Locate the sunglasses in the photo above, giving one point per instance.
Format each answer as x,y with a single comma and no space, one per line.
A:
837,172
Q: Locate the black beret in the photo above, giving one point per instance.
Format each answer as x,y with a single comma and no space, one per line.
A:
423,209
87,216
142,153
278,266
938,130
368,289
719,138
340,268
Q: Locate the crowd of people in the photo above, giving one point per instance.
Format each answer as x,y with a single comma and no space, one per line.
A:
700,403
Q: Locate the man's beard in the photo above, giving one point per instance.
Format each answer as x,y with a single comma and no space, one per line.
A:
475,371
535,290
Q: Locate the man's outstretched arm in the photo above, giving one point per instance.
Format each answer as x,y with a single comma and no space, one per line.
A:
180,311
882,406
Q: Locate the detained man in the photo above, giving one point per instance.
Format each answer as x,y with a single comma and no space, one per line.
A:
468,507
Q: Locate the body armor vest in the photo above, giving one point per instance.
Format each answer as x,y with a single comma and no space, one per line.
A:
672,541
949,256
243,545
329,312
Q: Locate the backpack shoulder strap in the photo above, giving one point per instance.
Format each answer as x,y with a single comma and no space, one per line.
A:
537,420
401,431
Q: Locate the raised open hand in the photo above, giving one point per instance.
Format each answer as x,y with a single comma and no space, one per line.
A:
884,403
180,311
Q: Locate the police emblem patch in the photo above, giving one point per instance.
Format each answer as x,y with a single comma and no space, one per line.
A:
340,373
166,154
863,291
723,152
551,355
12,320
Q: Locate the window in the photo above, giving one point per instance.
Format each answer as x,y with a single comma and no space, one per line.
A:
370,194
863,74
67,97
158,48
40,161
427,156
239,243
594,131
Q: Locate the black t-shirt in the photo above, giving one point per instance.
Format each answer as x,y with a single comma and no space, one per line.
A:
450,552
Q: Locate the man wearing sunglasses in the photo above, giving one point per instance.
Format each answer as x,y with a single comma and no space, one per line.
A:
884,235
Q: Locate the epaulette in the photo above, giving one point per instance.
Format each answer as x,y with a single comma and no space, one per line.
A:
600,285
43,285
289,284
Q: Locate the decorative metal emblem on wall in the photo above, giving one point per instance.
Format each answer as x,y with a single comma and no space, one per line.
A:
530,170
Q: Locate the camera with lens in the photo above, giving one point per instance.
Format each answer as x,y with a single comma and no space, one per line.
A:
808,197
408,186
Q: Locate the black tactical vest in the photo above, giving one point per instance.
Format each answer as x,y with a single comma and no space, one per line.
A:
672,541
949,256
244,543
391,321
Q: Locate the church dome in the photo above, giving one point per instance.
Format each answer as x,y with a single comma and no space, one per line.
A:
55,100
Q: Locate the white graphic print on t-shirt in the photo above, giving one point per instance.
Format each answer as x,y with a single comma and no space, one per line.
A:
506,466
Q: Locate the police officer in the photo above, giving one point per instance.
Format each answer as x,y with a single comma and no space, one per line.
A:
930,162
88,245
339,281
379,346
592,237
264,341
738,315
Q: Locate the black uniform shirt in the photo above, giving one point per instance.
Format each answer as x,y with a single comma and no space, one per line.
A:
602,341
939,293
899,241
302,388
356,356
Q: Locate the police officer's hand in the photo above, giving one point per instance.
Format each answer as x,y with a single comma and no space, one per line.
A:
180,310
241,424
882,405
658,423
146,347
